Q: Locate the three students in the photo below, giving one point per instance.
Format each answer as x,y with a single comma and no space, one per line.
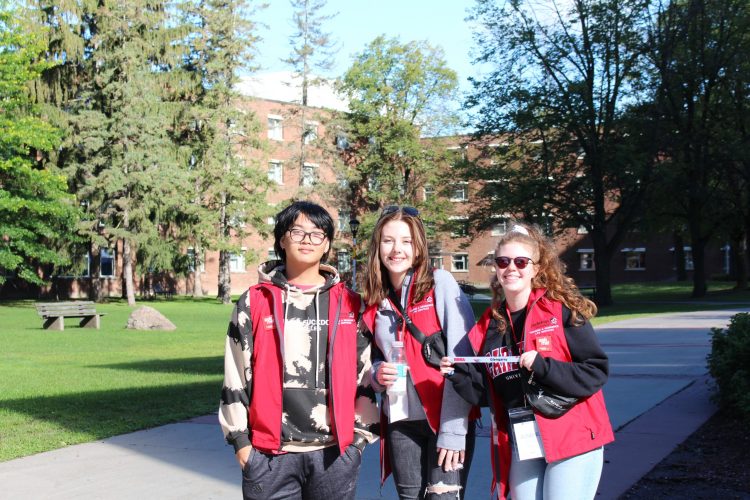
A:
305,356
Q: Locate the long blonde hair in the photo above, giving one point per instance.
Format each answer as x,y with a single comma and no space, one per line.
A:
550,275
376,282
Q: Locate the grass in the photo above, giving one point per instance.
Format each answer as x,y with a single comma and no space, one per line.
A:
635,300
80,385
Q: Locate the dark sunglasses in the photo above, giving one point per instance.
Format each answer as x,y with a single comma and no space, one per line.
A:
519,262
410,211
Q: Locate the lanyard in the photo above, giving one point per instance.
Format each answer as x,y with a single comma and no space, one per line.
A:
485,359
520,346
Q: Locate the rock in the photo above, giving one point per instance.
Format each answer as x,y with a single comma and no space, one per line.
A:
148,318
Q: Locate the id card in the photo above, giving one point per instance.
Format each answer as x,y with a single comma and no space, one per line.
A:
526,439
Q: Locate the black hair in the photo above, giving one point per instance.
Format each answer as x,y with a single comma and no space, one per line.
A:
285,219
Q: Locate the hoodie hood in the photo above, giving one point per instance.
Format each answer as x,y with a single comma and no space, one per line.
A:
274,272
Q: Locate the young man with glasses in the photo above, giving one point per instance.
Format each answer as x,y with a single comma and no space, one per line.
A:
297,403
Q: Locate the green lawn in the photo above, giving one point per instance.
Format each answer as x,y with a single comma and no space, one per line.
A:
62,388
645,299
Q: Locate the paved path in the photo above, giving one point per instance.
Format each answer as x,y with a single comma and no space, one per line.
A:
657,395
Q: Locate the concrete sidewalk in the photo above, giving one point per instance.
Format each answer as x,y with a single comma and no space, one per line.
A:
657,395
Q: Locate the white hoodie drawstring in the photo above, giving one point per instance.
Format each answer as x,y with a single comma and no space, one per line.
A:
317,334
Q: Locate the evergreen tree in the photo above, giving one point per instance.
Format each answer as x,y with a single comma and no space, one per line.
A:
118,153
313,51
228,198
37,214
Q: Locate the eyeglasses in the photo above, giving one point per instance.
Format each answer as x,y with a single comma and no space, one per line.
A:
298,236
410,211
519,262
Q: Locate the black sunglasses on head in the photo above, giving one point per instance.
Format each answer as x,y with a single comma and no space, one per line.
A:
519,262
410,211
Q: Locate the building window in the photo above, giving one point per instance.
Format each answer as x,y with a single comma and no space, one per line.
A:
191,257
459,226
429,192
343,261
460,191
275,128
436,261
635,259
500,227
237,262
460,263
344,217
586,259
272,255
688,252
309,174
275,172
106,263
311,132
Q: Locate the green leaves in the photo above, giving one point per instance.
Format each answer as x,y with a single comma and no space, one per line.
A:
36,213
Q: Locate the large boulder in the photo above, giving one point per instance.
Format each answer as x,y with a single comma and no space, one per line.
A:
148,318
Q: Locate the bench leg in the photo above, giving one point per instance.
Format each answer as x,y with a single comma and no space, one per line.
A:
90,322
55,323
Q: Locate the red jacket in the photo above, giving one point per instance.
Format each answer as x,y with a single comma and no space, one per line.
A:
264,412
427,379
584,428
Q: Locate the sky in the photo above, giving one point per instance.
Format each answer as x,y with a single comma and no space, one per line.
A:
440,22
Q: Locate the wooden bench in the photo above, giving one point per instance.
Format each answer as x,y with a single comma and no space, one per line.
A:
160,290
54,314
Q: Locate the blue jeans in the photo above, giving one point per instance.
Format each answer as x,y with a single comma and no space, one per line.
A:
574,478
412,448
312,475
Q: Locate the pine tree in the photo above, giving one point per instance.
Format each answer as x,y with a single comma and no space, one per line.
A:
313,51
118,153
229,187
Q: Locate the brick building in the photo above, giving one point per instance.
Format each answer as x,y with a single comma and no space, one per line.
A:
641,258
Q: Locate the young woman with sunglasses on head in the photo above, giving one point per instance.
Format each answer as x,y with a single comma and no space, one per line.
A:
425,438
297,403
538,315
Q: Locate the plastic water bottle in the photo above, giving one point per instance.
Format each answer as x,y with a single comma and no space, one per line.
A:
398,358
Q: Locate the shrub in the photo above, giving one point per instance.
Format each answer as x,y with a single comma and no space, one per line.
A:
729,363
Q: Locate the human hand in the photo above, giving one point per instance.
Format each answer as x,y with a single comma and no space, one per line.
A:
242,455
387,374
450,459
527,359
446,367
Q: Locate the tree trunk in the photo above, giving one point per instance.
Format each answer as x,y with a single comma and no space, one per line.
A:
127,271
225,278
95,282
700,284
197,262
679,256
739,258
603,296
